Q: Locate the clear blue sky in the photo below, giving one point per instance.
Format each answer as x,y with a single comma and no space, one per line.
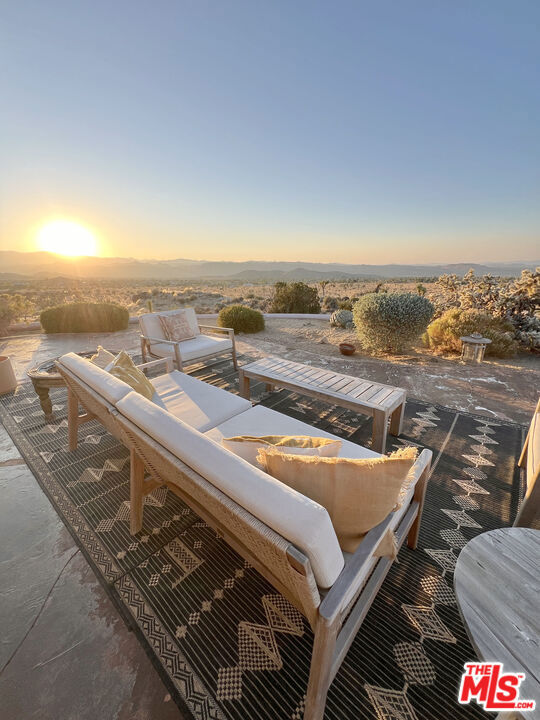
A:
350,131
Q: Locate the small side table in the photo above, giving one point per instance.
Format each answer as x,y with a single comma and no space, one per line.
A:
473,348
44,377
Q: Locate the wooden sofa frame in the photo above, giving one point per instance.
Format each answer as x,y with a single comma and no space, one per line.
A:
146,347
95,406
337,615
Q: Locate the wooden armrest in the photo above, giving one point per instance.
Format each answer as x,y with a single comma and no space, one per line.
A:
332,604
352,573
215,328
159,340
423,461
167,361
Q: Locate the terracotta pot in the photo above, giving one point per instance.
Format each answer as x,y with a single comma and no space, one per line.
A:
347,348
8,381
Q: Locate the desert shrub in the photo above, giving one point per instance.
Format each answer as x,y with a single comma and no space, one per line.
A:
84,317
346,305
444,333
241,319
6,315
342,319
330,303
295,297
513,299
528,332
390,322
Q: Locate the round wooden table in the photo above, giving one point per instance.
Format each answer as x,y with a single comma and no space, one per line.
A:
44,377
497,584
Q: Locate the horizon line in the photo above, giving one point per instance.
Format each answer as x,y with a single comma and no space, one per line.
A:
78,258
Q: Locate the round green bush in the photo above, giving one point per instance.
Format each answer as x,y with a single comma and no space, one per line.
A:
390,322
241,319
342,319
444,333
84,317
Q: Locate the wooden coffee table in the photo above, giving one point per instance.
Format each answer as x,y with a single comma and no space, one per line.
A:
382,402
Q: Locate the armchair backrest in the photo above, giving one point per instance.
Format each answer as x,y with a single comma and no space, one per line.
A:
150,324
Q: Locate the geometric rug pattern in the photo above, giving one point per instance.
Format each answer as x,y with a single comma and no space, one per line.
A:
226,643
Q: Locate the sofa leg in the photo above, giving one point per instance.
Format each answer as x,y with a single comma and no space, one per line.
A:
136,480
143,350
234,359
419,496
73,420
324,645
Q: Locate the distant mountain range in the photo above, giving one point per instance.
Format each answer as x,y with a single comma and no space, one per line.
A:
15,265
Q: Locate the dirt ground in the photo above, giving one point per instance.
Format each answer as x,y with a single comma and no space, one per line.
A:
506,389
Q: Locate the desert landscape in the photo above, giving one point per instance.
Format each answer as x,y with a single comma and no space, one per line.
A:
28,297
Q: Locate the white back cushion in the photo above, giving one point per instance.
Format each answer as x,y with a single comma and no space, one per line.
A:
108,386
261,420
303,522
151,326
197,403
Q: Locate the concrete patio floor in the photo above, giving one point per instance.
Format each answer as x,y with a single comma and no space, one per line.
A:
65,652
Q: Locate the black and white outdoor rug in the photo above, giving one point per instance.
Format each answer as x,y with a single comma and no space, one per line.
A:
228,646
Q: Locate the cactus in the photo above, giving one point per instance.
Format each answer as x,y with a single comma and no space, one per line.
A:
342,319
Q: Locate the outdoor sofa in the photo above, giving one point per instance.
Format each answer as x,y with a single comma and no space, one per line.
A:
208,340
286,536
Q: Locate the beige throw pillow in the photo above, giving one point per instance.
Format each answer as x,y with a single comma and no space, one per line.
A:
102,358
125,369
176,327
358,493
247,446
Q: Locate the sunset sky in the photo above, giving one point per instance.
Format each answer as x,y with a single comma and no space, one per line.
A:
374,132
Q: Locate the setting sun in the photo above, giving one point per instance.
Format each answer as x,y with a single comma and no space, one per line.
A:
64,237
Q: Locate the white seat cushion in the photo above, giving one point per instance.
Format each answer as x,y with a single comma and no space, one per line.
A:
150,323
197,347
295,517
108,386
198,404
264,421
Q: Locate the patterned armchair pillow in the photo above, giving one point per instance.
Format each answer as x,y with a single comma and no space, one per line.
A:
177,327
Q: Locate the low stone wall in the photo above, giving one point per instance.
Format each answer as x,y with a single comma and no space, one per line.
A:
17,328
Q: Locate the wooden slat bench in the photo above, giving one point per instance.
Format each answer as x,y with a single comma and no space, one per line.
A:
382,402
